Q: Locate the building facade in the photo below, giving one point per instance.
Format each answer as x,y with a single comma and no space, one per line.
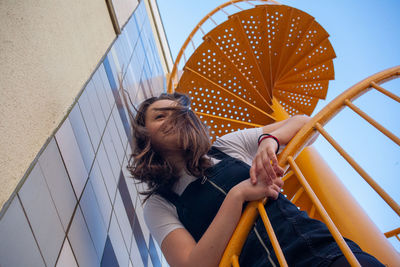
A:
76,204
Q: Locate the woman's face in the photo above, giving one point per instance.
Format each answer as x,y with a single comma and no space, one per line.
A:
154,120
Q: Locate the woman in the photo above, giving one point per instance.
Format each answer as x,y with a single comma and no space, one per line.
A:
196,193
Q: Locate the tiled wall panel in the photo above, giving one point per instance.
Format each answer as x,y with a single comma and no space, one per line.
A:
79,206
66,258
58,182
42,215
72,157
13,229
81,241
91,212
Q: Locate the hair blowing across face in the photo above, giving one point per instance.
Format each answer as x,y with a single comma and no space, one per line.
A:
148,166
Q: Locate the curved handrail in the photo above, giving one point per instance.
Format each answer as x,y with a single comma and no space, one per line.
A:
329,111
198,27
296,145
332,109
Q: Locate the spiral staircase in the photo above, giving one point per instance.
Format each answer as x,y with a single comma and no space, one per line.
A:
262,64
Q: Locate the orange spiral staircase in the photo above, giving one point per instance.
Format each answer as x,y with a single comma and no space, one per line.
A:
263,64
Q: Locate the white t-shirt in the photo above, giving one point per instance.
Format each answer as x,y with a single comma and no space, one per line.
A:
161,216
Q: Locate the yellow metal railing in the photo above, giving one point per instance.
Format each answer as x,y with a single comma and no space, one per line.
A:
271,234
294,148
395,232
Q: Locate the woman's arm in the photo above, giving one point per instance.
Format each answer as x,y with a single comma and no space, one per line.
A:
284,131
287,129
179,247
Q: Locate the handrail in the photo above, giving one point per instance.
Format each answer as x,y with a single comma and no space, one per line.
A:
295,146
335,106
331,110
173,75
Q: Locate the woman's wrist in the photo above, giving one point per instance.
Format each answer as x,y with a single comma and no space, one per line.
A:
237,194
267,137
269,142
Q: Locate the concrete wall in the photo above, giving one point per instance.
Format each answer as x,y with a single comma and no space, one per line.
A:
48,50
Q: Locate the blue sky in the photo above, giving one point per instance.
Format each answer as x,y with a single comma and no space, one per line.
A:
366,38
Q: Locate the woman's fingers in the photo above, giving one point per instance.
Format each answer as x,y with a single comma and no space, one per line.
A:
272,156
268,167
260,190
264,169
265,165
279,182
256,170
277,169
253,175
273,191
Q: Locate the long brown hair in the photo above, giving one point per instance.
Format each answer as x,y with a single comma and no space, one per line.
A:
148,166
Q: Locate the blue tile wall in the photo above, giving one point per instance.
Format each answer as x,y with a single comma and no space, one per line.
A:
106,171
96,226
66,258
109,258
42,215
81,241
13,228
117,242
72,157
78,206
59,184
100,190
82,138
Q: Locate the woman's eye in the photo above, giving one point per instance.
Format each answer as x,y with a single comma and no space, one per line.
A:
160,116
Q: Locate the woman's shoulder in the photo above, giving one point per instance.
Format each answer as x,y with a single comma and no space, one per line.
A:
241,144
161,217
240,138
156,202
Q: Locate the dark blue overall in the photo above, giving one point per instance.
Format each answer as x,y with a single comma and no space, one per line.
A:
304,241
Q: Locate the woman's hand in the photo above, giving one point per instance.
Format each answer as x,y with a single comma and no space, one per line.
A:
250,192
262,169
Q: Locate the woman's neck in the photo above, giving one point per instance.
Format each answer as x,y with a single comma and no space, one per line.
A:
175,159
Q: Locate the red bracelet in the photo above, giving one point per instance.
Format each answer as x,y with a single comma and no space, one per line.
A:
265,136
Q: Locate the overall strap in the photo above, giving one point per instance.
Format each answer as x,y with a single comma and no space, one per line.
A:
218,154
171,197
174,198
